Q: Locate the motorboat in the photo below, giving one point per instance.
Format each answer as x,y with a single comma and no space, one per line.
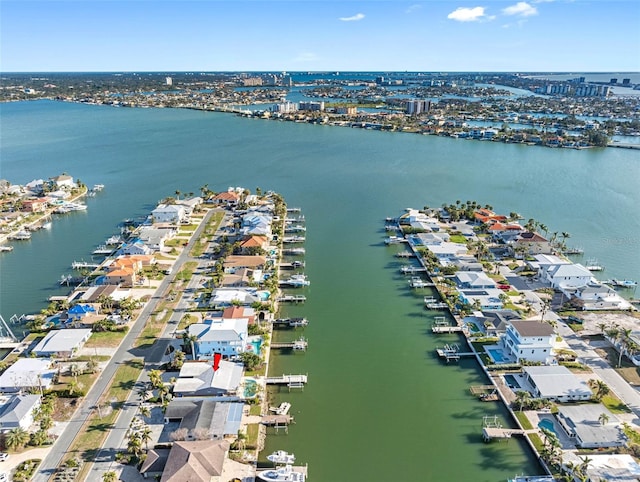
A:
394,240
297,280
625,283
282,409
281,457
282,474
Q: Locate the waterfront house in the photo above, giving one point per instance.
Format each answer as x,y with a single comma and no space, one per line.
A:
543,262
125,276
446,252
419,221
62,343
227,336
496,321
530,341
201,378
95,293
482,298
498,229
63,181
256,223
240,312
205,417
154,237
196,461
531,243
557,383
234,262
428,239
224,297
38,205
134,247
467,263
588,428
598,296
27,374
487,216
169,213
473,280
16,411
568,277
229,198
252,244
80,311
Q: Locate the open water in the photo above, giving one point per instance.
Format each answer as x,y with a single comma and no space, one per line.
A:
378,406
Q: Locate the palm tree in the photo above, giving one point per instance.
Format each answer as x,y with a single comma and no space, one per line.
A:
145,435
17,438
144,410
600,387
603,418
155,378
522,398
190,339
110,476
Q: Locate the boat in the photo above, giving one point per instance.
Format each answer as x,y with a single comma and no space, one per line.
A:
394,240
281,457
47,225
593,265
21,235
294,239
297,280
6,248
97,187
417,282
625,283
113,240
282,409
283,474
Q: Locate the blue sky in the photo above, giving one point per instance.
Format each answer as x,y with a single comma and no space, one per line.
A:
301,35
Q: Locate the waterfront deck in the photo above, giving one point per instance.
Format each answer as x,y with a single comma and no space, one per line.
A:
291,381
405,254
292,299
292,322
84,264
296,345
452,353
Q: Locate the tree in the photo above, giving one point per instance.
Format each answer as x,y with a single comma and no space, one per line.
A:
144,410
180,434
17,438
603,418
145,435
600,388
189,340
523,398
110,476
250,360
155,378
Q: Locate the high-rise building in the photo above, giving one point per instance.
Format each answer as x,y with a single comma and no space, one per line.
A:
168,81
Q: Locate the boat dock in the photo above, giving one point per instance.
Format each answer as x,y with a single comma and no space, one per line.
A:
282,409
277,421
486,393
293,251
405,254
412,269
447,329
103,249
292,298
297,345
293,239
293,265
452,352
84,264
292,322
492,429
291,381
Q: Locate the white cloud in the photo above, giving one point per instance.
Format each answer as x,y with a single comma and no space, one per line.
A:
543,1
355,18
521,9
463,14
413,8
306,57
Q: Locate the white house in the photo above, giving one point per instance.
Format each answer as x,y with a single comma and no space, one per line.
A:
227,336
200,379
473,280
169,213
256,223
62,343
588,429
134,247
64,181
446,251
429,239
486,298
557,383
598,296
529,340
16,411
225,297
27,374
568,277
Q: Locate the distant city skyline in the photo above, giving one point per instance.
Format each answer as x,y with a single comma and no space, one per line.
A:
292,35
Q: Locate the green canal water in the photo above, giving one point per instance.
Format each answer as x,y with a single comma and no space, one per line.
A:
378,406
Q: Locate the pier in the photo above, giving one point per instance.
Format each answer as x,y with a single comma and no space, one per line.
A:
293,265
486,393
84,264
277,421
405,254
292,299
412,269
452,352
297,345
291,381
492,429
293,251
292,322
293,239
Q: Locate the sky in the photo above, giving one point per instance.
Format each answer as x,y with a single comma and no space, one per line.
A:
309,35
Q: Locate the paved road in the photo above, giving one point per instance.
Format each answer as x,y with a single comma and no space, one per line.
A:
125,352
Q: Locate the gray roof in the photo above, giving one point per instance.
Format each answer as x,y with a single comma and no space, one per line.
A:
27,372
557,381
197,378
66,340
583,420
532,328
15,408
218,418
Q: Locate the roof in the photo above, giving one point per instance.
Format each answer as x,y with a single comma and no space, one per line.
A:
584,419
532,328
81,309
570,271
14,409
239,261
27,372
199,377
227,196
62,340
475,278
155,461
195,461
530,237
256,241
557,381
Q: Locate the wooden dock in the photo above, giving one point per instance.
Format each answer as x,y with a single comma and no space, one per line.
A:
292,322
412,269
293,265
490,433
452,352
486,393
84,264
405,254
447,329
276,420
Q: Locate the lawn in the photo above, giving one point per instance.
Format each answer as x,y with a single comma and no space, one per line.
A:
252,436
524,421
108,339
614,404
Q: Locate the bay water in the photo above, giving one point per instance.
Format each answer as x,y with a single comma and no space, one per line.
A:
379,406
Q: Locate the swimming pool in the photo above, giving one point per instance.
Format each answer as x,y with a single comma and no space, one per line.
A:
250,388
547,424
495,354
512,382
256,345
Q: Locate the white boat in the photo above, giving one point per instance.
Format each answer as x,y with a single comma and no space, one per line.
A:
394,240
417,282
22,235
97,187
593,265
625,283
6,248
115,239
281,457
297,280
282,409
283,474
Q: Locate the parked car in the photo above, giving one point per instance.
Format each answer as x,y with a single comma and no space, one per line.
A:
574,319
3,456
504,287
4,477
